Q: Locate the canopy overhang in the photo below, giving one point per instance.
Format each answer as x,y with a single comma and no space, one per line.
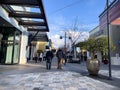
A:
34,18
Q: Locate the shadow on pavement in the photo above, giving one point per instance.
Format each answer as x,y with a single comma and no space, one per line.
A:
114,81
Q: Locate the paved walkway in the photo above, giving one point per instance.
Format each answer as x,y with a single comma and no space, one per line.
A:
57,79
52,81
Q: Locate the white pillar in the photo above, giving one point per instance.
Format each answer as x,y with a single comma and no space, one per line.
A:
23,51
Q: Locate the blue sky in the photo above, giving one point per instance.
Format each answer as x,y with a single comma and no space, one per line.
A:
62,14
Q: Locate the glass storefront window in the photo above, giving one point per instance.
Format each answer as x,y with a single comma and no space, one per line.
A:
9,54
16,53
9,45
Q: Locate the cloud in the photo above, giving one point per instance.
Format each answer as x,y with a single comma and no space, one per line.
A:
60,42
57,41
59,24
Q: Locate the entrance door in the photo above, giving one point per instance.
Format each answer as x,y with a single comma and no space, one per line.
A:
9,49
16,53
1,49
9,46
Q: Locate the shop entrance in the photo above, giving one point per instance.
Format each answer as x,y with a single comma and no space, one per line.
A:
9,45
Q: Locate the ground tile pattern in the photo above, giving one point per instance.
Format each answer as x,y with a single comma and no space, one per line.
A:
59,80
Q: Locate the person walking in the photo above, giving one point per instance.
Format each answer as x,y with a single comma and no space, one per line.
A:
49,56
60,56
41,57
85,56
36,57
44,56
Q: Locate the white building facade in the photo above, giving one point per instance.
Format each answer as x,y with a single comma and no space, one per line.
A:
13,39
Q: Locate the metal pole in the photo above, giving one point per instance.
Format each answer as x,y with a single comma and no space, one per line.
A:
65,47
109,56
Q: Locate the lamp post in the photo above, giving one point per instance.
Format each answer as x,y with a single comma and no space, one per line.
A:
108,32
65,44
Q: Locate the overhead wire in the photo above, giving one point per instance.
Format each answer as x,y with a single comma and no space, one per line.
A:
69,5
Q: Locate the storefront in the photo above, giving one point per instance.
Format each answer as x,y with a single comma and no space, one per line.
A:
9,45
17,19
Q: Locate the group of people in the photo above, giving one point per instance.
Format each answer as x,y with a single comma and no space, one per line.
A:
50,55
37,57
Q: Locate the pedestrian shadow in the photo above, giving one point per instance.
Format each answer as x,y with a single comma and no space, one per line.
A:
102,78
36,88
106,66
114,81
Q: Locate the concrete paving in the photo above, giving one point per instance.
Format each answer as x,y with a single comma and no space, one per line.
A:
35,77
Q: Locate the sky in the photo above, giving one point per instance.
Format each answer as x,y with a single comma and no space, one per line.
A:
63,14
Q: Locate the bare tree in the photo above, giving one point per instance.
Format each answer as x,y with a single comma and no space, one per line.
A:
74,33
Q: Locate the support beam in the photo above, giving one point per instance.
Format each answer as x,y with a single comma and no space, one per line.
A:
41,30
26,15
20,2
43,12
32,23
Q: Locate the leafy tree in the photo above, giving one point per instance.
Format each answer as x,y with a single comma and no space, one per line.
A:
39,51
96,45
88,45
102,44
82,45
91,46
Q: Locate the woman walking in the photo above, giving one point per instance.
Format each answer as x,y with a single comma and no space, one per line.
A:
60,56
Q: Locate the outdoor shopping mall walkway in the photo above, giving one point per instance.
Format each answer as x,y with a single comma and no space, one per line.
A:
34,76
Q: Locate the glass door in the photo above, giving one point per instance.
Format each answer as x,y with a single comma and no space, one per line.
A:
16,47
16,53
1,49
9,50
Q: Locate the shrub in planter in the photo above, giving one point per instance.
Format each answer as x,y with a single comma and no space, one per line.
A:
105,59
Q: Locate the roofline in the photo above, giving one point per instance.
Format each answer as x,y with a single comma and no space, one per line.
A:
110,6
93,29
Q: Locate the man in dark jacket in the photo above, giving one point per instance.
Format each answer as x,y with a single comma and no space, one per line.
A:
49,56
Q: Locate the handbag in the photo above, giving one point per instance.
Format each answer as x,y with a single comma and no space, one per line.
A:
62,60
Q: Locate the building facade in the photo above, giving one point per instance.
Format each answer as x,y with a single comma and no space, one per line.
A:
13,39
17,21
114,28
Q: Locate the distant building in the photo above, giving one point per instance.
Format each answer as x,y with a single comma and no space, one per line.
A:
96,32
114,25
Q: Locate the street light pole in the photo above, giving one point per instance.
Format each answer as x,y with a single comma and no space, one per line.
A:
65,47
108,32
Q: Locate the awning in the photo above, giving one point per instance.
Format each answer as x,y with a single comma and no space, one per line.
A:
41,36
32,14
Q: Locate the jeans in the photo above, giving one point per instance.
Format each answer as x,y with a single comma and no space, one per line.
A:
48,64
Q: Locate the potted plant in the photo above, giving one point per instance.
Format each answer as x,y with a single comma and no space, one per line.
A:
93,64
96,45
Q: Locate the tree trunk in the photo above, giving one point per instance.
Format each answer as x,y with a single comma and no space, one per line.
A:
92,55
